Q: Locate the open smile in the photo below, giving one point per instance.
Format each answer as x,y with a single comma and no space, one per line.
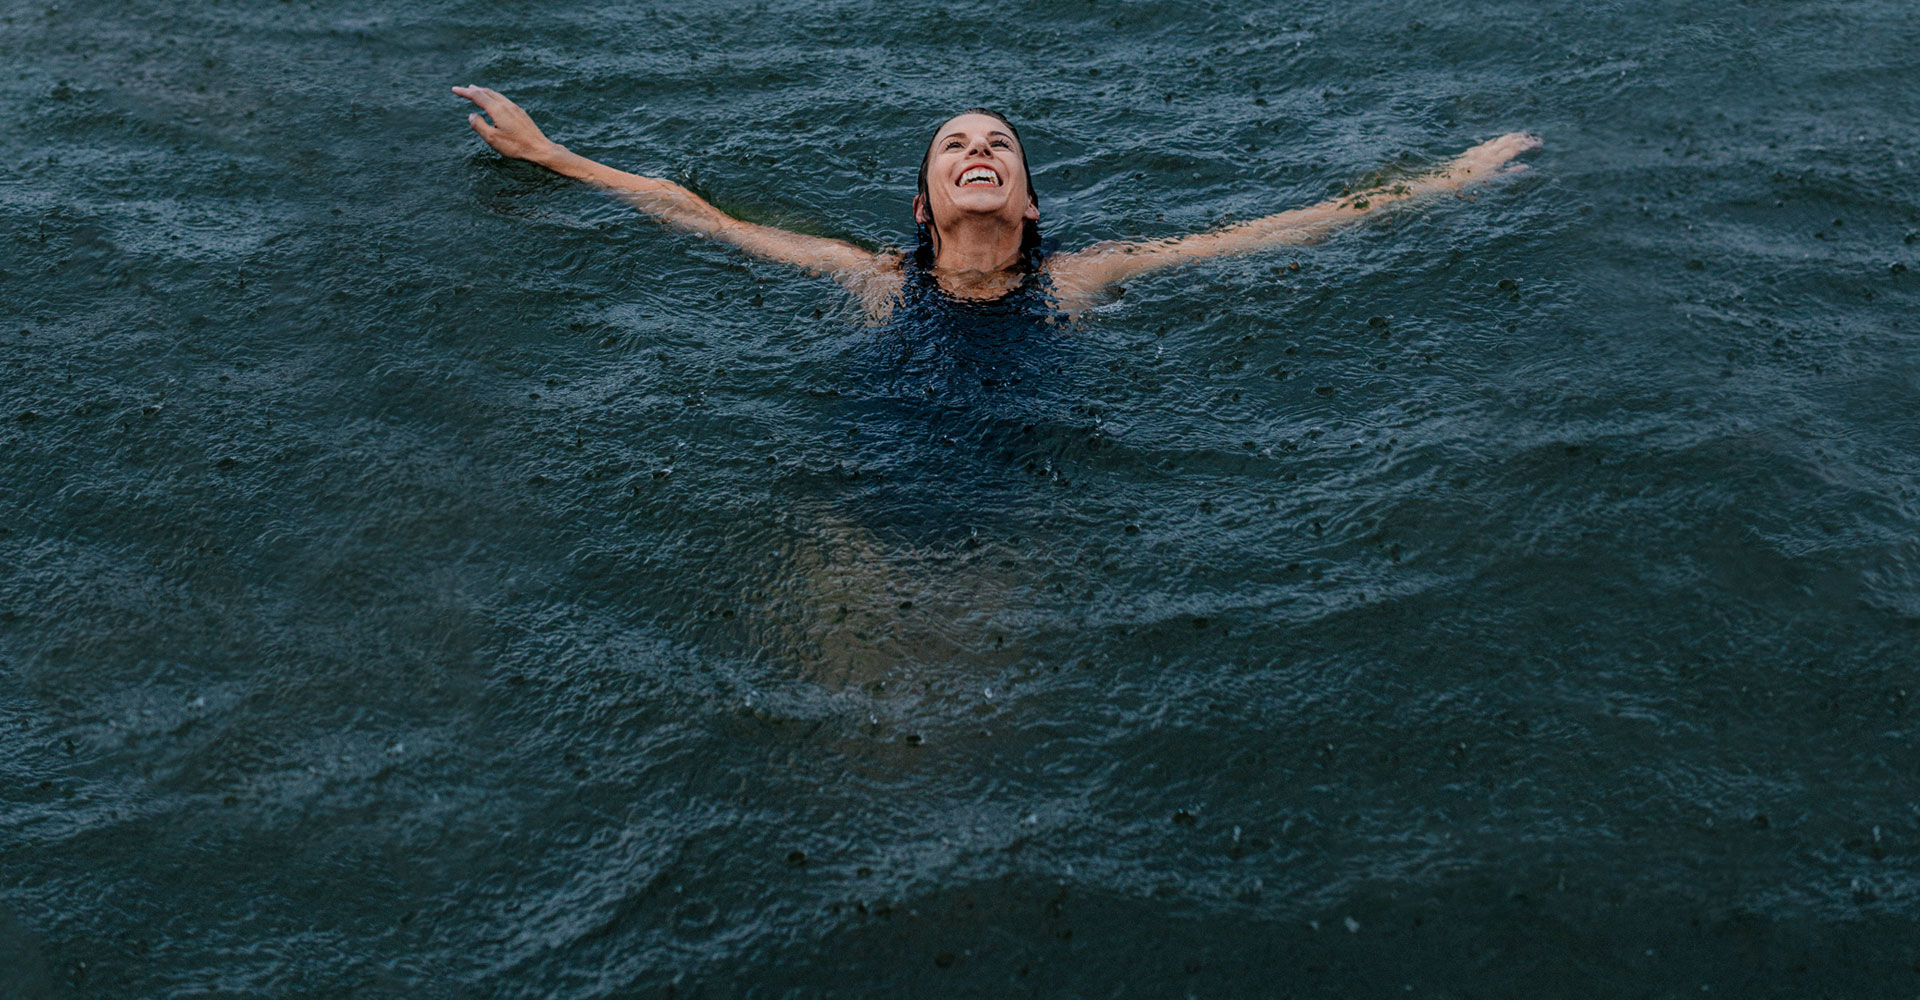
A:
979,175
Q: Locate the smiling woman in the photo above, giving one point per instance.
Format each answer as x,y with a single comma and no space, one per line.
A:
971,161
978,215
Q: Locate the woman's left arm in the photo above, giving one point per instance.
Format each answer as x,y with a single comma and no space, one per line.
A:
1082,273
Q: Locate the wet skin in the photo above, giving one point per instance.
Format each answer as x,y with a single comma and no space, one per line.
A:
978,227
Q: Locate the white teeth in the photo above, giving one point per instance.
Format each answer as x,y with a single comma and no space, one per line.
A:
979,175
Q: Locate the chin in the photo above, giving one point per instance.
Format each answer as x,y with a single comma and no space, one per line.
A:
981,203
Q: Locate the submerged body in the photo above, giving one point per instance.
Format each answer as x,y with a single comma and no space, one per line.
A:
985,385
963,343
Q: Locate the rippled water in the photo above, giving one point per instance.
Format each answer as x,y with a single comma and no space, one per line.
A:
423,578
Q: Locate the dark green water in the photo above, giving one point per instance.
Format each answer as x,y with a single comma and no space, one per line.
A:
421,578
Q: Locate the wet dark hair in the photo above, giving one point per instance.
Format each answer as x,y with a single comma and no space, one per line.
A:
1030,248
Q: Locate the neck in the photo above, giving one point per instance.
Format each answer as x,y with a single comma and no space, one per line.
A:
979,247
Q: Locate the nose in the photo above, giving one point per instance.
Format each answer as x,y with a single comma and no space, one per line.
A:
980,146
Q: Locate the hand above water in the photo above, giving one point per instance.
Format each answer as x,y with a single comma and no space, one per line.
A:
1490,159
512,132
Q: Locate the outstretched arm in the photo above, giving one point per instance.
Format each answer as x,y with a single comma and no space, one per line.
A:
513,133
1084,272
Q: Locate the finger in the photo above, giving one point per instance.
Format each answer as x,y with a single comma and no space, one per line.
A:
492,102
1522,141
1513,168
479,124
489,101
478,96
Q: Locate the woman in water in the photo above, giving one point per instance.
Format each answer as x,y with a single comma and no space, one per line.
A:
963,401
977,212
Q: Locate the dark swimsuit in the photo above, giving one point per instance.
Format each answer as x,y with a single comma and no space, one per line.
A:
954,403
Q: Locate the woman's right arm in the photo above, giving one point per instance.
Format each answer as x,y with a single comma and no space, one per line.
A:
513,133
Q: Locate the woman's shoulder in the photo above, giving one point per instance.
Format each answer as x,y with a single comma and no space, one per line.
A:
1072,286
878,286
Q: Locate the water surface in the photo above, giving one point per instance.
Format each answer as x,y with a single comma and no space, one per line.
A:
423,578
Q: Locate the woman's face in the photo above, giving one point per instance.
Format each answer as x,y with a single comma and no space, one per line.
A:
976,167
